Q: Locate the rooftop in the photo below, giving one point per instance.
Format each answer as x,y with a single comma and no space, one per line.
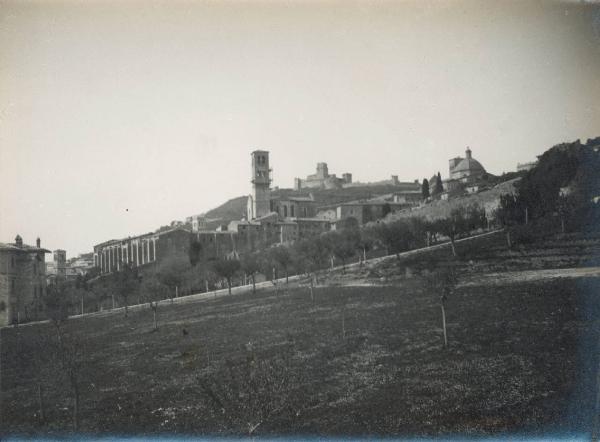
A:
24,248
468,164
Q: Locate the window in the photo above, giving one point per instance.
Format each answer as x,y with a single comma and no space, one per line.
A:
292,210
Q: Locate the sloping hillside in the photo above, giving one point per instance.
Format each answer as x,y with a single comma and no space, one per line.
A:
441,209
232,209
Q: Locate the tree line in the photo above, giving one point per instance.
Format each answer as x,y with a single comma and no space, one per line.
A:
183,274
560,195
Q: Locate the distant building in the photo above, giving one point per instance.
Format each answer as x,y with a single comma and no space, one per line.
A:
259,201
257,233
322,179
409,197
148,250
526,166
60,258
309,227
22,281
139,250
362,211
302,207
80,265
327,213
466,170
57,268
196,222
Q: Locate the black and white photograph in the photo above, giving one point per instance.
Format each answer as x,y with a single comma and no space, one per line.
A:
336,220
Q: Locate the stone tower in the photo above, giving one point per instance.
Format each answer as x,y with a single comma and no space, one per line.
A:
259,202
60,261
322,171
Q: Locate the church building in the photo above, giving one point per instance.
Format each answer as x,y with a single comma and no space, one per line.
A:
466,170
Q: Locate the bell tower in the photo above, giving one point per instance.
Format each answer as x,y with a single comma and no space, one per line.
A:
259,202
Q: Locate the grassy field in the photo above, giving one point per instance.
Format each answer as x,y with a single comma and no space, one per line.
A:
357,360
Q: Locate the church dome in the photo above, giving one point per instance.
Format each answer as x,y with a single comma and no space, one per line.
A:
469,165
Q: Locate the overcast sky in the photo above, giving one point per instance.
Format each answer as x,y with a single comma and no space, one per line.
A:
116,118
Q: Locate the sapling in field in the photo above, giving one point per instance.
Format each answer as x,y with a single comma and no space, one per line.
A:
68,348
127,283
154,307
443,282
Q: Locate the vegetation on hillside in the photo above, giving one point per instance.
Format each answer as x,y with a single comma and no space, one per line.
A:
561,194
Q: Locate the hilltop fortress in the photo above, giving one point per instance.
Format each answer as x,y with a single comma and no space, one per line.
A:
323,180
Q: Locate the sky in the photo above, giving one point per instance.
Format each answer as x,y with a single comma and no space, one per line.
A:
119,117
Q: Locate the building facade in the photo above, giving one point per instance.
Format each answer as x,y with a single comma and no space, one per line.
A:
149,250
138,251
22,281
292,207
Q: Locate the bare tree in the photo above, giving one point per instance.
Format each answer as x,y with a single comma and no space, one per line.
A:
152,291
128,282
68,347
365,242
154,307
509,214
443,282
38,364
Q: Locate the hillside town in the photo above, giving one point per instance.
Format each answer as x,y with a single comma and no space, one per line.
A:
292,243
270,220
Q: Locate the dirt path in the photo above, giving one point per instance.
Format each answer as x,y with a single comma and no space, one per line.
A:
491,279
502,278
